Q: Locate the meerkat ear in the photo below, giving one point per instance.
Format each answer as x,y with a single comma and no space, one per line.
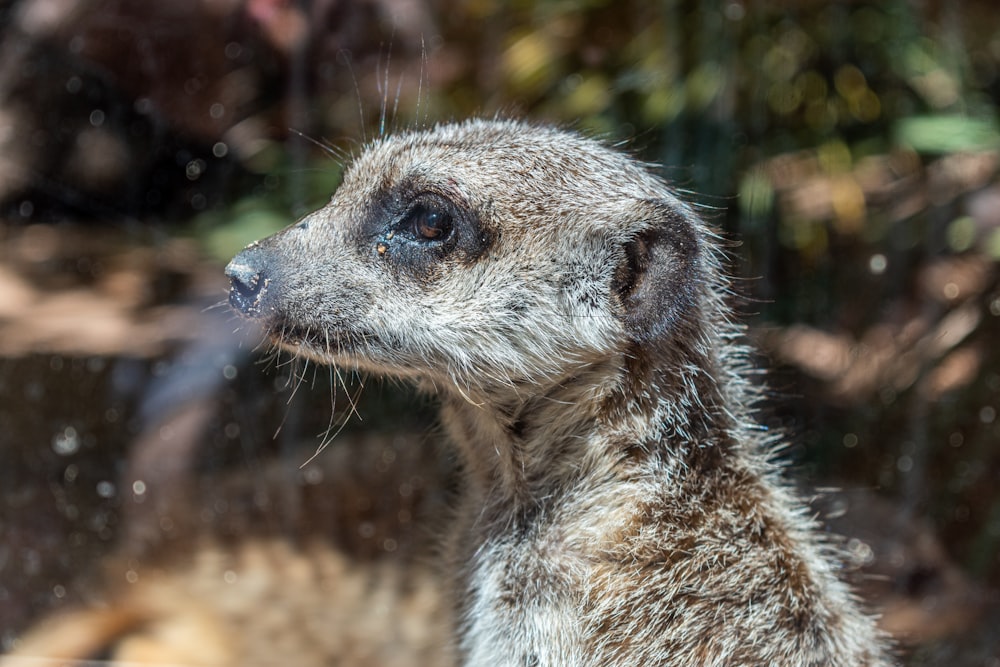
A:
658,280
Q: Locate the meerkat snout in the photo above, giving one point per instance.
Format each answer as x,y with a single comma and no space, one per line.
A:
248,282
618,504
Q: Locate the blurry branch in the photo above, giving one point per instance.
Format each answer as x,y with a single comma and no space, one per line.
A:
807,188
927,350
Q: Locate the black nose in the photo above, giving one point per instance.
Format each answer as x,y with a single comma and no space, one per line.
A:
247,282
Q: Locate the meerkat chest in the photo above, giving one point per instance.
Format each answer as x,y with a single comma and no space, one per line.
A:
523,607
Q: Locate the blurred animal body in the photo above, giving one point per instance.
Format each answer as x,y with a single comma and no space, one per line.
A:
323,566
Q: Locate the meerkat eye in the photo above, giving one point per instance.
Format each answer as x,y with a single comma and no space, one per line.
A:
428,224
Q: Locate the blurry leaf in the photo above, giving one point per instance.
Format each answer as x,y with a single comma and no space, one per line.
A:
849,81
704,85
663,105
962,233
529,62
993,244
250,220
808,237
756,195
835,157
920,56
780,64
592,95
948,133
812,86
865,106
848,202
784,98
655,66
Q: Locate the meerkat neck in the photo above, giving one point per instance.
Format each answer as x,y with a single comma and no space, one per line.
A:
606,422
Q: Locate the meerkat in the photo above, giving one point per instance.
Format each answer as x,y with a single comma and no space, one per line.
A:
619,505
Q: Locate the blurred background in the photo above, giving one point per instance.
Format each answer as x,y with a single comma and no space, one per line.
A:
850,149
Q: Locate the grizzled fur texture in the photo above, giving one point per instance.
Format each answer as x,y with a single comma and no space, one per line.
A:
619,506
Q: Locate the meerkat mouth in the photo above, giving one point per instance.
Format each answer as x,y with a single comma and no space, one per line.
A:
313,342
318,345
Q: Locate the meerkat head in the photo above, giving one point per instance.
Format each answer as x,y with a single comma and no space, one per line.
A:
481,255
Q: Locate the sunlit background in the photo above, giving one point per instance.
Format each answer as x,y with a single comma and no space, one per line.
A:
851,150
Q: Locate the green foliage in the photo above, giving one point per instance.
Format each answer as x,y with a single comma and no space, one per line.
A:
713,88
283,195
948,133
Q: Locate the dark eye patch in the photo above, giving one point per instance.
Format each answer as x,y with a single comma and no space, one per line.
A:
416,230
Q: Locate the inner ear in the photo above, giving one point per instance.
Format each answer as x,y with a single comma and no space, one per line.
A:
660,274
